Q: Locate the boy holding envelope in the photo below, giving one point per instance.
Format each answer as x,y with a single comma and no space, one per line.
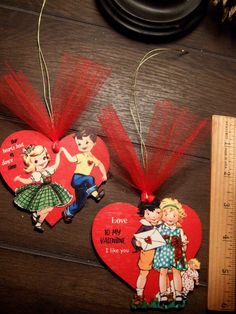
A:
146,240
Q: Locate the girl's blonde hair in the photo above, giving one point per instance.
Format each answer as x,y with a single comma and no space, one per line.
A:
195,262
33,151
171,204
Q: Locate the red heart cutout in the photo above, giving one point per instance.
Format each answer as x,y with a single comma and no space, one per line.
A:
112,231
12,164
148,240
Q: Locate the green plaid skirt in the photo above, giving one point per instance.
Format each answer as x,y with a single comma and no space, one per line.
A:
35,197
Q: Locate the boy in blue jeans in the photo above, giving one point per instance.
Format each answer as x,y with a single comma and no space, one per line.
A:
82,181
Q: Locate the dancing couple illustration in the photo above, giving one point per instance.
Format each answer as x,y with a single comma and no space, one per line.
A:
39,194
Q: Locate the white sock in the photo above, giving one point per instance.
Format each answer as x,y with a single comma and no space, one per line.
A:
139,291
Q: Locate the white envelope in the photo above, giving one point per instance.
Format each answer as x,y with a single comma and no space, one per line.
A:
151,239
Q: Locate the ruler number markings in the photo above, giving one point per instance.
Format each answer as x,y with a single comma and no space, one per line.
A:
221,279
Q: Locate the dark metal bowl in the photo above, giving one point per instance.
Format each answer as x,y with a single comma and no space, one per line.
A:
153,19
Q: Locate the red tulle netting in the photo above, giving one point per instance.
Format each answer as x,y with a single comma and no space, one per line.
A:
171,133
77,82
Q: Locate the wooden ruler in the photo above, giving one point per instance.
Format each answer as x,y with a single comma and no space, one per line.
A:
222,247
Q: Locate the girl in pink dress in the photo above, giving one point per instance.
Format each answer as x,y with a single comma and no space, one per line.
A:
190,277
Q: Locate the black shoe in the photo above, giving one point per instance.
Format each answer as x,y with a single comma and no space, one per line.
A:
100,195
138,303
38,227
67,219
179,299
163,299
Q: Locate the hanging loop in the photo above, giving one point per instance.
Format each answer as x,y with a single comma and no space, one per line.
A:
134,109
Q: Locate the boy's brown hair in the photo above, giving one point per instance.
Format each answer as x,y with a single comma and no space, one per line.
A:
84,133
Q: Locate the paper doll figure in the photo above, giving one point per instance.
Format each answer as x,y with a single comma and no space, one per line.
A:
171,257
40,195
151,214
82,181
190,277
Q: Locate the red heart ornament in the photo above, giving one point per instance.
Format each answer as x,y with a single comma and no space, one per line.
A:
12,163
112,232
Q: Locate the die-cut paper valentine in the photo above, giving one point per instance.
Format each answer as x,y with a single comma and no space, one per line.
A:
113,233
77,82
170,134
166,142
41,178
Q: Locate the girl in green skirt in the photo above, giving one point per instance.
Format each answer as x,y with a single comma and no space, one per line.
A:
40,195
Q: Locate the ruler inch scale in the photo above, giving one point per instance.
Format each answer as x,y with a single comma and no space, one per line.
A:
222,245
